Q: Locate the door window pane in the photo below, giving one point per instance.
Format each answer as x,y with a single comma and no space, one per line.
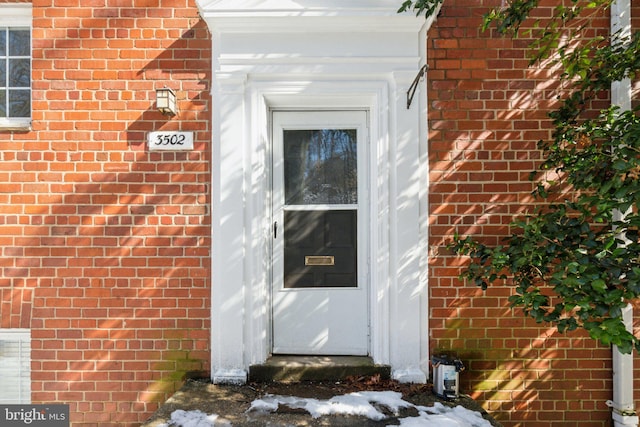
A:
320,167
321,249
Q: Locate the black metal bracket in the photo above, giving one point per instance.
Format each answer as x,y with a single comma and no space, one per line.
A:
414,86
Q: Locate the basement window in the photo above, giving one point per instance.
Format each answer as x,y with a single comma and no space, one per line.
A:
15,67
15,366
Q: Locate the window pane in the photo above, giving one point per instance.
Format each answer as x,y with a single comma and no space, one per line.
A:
3,72
3,103
320,167
19,43
19,72
15,72
3,42
19,103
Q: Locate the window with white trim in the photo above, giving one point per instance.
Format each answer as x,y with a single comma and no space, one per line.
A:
15,67
15,366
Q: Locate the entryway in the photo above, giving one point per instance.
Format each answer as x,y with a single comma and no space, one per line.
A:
351,260
319,233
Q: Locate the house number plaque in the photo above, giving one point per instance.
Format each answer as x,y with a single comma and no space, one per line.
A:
170,141
318,260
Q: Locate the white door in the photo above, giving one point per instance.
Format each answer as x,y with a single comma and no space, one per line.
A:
319,233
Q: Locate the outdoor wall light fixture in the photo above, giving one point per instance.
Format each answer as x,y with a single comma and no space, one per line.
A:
166,101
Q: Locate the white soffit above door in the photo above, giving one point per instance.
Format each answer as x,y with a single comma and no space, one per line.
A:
346,15
276,36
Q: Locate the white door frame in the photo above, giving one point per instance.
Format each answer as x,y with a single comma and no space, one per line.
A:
326,320
278,54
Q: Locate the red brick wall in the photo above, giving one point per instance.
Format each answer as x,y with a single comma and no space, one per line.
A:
104,245
487,112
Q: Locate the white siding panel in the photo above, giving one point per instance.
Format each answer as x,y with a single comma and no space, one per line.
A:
15,366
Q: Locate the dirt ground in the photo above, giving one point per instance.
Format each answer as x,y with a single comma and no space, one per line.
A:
231,403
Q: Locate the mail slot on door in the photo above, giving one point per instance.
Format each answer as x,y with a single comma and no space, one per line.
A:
319,260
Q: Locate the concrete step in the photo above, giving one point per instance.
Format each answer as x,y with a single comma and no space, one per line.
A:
315,368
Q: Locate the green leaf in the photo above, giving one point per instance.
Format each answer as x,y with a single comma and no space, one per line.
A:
599,285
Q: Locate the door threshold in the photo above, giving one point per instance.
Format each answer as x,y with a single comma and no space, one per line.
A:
295,368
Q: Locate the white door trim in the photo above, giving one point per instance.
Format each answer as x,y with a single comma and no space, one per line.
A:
372,97
326,321
270,57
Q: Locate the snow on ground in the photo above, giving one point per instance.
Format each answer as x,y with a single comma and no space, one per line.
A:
191,419
360,404
364,404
